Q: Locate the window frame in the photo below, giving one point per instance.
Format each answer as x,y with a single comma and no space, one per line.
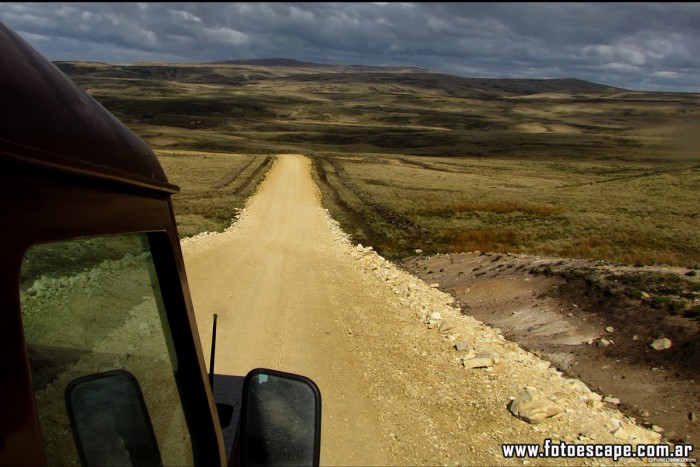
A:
44,206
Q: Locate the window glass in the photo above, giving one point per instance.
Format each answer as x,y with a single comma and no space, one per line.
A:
90,306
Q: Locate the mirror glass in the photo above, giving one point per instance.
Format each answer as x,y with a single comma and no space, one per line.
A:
281,419
110,421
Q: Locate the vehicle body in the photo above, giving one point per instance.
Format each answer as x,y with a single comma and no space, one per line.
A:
93,288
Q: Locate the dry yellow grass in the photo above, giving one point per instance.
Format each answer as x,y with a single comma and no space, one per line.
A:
213,186
629,212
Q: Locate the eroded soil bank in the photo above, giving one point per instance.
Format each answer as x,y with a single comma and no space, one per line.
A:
594,321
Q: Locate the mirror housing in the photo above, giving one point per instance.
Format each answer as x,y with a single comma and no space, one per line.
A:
110,421
280,419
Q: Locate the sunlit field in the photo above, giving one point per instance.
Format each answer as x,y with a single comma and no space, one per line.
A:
407,159
213,187
618,211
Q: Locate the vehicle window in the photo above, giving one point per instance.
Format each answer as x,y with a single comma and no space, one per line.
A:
91,306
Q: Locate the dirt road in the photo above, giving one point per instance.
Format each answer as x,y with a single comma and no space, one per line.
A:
293,294
277,283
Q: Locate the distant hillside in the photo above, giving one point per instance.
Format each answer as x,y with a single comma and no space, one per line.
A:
288,63
285,62
422,77
459,86
281,105
236,72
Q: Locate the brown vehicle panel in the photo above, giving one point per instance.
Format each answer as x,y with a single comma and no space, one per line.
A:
70,169
39,210
47,120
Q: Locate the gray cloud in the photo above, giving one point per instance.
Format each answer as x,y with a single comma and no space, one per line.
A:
632,45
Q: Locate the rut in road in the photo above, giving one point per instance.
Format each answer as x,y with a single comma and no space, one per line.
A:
292,293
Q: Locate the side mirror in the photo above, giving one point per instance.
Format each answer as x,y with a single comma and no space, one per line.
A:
110,421
280,419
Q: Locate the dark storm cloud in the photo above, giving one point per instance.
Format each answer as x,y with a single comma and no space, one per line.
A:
631,45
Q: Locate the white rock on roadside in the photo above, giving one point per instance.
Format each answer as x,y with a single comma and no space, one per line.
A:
530,405
481,360
462,346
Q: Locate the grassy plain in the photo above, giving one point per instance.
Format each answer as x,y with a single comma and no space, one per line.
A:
410,159
641,212
213,187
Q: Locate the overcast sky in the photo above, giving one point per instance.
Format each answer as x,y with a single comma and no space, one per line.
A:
646,46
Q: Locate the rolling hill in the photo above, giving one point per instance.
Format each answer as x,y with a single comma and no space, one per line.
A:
280,105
